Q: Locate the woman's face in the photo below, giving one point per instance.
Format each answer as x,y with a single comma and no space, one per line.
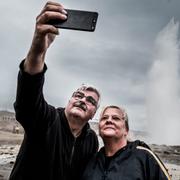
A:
112,124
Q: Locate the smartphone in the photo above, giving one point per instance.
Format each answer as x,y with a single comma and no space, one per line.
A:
77,20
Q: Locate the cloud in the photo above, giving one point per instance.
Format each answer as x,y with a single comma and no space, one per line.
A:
116,57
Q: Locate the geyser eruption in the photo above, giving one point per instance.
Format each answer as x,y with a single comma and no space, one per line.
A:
163,107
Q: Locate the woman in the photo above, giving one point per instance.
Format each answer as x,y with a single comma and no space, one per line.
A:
120,159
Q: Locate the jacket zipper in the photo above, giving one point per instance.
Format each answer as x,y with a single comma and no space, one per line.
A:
72,151
105,175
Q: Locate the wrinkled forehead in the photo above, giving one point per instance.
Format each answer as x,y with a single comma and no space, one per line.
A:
89,93
113,111
89,89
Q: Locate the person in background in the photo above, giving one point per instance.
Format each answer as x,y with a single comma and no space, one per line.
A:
120,159
58,142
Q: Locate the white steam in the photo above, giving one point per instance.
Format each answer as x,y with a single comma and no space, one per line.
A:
163,107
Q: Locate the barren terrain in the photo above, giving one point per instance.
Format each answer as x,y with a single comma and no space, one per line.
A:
11,135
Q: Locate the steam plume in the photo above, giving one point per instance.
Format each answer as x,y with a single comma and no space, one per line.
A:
163,107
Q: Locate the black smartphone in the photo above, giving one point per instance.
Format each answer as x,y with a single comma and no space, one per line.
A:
77,20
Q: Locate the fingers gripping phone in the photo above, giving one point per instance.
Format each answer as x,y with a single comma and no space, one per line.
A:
77,20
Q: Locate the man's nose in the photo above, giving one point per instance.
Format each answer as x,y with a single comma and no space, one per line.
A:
83,99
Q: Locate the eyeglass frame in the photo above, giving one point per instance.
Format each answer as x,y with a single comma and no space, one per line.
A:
92,101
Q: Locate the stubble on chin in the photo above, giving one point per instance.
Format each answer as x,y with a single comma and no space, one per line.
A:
76,112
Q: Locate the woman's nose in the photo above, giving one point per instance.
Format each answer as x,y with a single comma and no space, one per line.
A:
109,120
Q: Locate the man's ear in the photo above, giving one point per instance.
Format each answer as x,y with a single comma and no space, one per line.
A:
93,114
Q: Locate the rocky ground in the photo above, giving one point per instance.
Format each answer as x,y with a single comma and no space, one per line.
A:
10,143
11,138
9,147
170,155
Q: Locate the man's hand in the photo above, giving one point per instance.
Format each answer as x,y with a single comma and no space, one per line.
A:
44,35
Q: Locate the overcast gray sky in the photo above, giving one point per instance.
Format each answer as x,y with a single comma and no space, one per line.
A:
118,57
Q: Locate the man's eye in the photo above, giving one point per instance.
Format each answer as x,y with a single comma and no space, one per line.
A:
91,100
78,95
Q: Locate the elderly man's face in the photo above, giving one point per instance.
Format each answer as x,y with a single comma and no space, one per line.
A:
112,124
83,105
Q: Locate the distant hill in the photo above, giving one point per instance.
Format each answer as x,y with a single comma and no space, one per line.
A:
6,113
8,122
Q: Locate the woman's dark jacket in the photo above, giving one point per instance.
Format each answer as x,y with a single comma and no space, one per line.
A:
134,162
49,151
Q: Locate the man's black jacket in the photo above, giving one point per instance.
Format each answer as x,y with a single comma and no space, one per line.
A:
49,151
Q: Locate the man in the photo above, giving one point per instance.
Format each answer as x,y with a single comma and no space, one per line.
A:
57,143
119,158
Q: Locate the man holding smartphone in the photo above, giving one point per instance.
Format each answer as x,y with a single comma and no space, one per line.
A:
57,143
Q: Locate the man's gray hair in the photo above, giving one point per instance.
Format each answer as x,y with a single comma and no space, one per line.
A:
88,87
